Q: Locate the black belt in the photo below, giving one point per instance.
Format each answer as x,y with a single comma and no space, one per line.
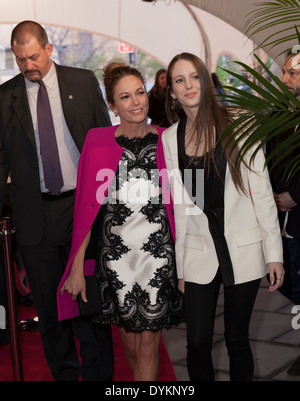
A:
61,195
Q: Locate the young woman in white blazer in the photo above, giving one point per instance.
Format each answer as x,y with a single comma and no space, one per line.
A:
226,223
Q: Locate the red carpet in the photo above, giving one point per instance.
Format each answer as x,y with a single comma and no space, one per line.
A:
35,367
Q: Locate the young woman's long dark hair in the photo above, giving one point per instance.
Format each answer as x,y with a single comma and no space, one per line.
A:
211,116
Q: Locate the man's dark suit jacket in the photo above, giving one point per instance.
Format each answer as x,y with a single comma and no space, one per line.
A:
83,108
280,184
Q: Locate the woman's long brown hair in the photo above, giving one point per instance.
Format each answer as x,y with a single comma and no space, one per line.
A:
211,116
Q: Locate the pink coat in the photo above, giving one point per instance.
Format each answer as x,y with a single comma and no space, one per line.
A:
101,153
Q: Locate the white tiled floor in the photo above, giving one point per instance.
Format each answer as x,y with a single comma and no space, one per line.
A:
275,344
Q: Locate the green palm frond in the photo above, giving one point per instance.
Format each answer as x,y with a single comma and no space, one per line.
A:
259,116
274,14
271,109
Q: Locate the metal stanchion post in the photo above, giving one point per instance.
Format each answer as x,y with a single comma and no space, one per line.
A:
6,231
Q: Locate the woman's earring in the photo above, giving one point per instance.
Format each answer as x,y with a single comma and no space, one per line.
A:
116,114
173,104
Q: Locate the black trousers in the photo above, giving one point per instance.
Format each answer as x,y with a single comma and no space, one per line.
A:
291,282
45,265
200,307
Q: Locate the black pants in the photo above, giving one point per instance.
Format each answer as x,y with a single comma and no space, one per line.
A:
45,265
200,306
291,282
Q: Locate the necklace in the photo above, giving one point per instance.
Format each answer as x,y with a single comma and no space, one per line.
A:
194,150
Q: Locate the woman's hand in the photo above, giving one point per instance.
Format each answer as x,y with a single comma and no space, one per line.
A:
75,284
276,273
284,202
181,285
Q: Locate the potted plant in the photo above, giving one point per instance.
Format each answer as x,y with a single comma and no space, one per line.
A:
270,108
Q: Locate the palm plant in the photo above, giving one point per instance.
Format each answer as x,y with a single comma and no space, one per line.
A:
271,109
284,13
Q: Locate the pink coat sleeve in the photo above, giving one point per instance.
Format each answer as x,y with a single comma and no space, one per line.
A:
99,152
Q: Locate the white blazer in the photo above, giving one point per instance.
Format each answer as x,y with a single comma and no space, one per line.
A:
251,223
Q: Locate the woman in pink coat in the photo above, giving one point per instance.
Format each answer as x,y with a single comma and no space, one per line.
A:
123,204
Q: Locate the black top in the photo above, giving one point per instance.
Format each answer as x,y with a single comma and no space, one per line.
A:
157,109
213,197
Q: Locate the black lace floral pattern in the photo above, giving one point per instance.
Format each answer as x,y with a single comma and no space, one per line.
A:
135,263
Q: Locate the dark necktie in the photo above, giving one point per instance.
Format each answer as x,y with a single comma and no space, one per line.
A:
48,145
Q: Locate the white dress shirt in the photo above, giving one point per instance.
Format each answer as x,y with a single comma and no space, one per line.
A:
68,152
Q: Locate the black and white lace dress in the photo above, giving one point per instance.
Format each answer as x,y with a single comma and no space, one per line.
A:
135,263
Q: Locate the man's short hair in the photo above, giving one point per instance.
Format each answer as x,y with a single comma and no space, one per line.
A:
295,50
25,30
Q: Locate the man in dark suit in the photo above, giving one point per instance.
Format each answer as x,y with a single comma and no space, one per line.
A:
287,197
42,217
